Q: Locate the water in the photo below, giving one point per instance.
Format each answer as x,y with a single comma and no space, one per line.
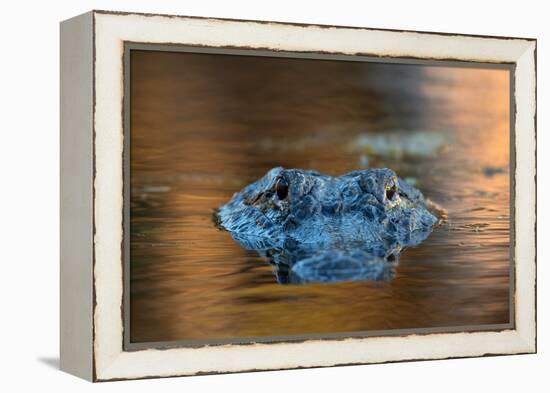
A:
204,126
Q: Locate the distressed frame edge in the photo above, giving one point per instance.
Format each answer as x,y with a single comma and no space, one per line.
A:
525,179
76,196
524,336
305,25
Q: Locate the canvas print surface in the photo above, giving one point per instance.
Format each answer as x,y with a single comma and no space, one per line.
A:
283,198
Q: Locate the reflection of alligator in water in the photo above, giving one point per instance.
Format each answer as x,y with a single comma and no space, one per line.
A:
318,228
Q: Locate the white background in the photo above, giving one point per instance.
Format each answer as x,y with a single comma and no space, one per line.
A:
29,204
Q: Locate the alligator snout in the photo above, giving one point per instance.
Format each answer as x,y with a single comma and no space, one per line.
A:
350,217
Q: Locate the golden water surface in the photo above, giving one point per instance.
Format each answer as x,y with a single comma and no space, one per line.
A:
204,126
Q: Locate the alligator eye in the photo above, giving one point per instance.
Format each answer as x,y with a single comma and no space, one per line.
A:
390,192
281,187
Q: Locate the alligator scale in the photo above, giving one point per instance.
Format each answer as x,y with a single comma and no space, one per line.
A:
318,228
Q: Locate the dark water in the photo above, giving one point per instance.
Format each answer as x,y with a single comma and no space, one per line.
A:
204,126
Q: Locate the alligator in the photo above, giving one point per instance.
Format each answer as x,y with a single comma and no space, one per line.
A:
318,228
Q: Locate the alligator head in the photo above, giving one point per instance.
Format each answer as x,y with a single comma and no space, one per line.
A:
319,228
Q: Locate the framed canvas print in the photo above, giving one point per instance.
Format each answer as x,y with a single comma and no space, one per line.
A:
245,195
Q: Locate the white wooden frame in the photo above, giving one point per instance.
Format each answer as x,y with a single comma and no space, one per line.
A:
92,142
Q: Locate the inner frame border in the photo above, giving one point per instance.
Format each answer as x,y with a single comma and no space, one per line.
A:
129,46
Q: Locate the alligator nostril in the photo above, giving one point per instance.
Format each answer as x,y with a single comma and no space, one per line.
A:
390,192
281,187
